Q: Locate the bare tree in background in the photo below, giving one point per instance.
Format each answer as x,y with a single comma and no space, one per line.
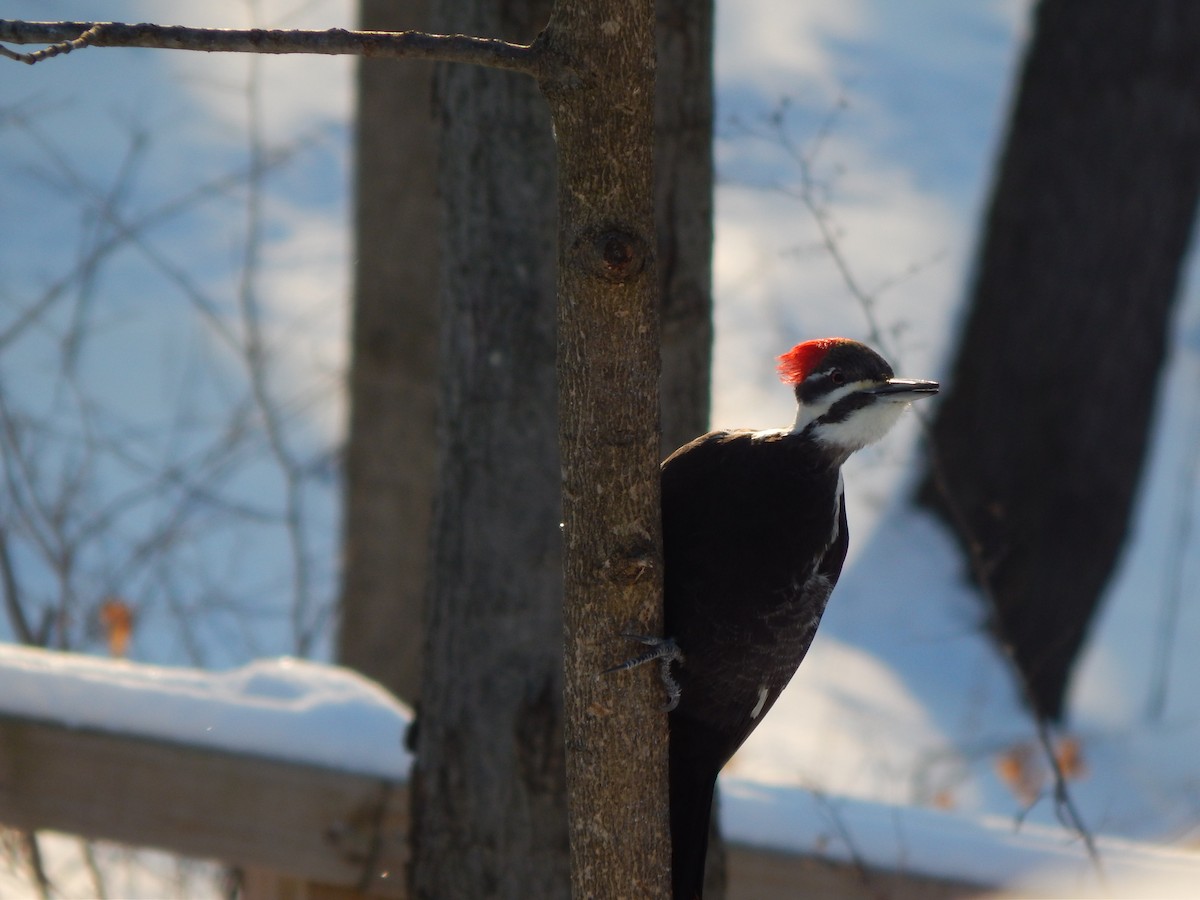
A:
391,446
393,364
119,509
497,555
1041,439
683,195
683,207
490,814
499,431
599,82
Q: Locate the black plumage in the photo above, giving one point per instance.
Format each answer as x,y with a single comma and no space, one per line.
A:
754,538
755,534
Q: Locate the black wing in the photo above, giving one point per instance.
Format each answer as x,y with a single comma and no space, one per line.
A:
754,536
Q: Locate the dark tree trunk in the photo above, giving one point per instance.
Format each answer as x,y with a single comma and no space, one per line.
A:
391,445
489,791
490,812
609,366
1040,442
683,167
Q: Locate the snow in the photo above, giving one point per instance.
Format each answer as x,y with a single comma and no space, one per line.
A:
128,873
903,699
1029,860
903,722
328,716
290,709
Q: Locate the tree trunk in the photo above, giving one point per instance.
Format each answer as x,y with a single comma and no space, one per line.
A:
490,767
391,445
1041,440
683,168
489,801
609,368
683,200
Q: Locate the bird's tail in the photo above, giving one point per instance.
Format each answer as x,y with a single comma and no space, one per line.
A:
691,808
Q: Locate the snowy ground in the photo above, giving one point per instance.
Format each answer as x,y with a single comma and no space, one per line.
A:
302,711
290,709
1031,861
895,112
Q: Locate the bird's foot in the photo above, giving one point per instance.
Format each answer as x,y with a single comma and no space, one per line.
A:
666,651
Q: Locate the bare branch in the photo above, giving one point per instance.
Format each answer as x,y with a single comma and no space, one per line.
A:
67,36
1065,807
809,195
255,357
12,595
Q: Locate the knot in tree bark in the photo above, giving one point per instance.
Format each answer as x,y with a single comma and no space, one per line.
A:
630,563
612,253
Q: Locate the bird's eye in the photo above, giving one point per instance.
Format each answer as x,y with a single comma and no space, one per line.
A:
836,376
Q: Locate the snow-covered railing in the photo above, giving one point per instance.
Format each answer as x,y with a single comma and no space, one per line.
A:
282,765
294,769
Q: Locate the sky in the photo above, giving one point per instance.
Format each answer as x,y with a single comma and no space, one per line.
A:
879,121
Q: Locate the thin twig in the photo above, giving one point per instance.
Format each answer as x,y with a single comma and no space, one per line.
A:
256,359
819,212
67,36
59,49
63,529
1065,806
132,231
12,594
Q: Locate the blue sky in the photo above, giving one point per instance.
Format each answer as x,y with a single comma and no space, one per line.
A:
916,97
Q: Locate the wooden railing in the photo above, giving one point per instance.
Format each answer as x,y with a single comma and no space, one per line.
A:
312,824
297,831
305,832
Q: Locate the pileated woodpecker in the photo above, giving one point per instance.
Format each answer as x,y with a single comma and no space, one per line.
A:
754,536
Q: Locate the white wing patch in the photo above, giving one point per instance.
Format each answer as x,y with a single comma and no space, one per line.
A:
762,701
837,510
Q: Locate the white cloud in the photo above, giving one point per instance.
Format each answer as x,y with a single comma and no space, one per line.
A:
777,283
304,288
779,44
295,90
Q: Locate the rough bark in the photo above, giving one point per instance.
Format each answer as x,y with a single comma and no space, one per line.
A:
489,797
608,373
490,766
683,201
683,165
596,63
1041,440
391,445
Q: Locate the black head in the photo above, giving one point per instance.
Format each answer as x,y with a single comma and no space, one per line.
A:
848,394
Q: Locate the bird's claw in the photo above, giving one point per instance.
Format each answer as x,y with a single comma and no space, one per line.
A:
666,651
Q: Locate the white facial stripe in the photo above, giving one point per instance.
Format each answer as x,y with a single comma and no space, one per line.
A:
862,427
808,413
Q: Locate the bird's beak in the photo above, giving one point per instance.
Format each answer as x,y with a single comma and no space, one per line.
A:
903,390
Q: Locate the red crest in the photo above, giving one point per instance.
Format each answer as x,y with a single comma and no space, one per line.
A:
799,362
